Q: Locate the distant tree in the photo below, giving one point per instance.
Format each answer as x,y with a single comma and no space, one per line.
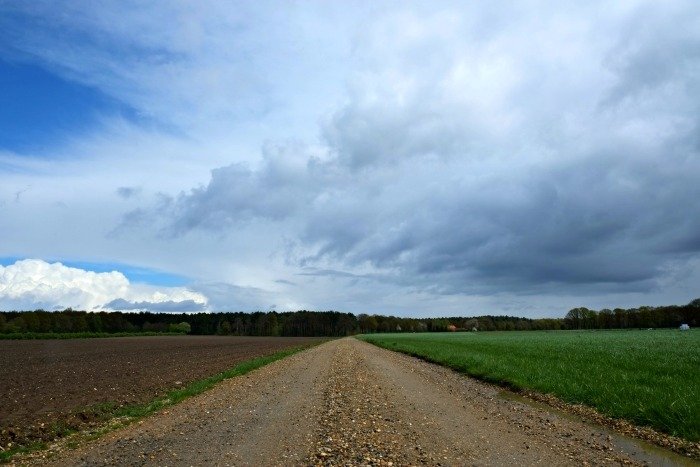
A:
272,324
79,323
17,324
606,319
260,320
578,318
45,321
183,327
367,323
94,322
224,328
155,327
31,321
486,324
238,327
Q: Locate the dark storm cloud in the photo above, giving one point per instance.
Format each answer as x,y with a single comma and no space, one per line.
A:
661,48
364,137
580,178
237,194
603,220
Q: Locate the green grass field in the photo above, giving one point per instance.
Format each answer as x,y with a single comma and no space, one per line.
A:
647,377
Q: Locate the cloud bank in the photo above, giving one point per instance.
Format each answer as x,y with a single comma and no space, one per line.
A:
33,284
409,158
501,164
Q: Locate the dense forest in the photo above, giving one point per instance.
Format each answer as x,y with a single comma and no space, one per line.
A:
332,323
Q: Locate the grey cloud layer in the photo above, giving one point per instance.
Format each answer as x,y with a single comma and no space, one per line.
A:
504,165
169,306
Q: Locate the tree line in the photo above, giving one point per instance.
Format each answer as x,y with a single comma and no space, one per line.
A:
333,323
643,317
299,323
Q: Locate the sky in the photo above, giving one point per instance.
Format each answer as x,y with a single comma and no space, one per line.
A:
408,158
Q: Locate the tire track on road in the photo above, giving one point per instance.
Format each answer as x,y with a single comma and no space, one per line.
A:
361,423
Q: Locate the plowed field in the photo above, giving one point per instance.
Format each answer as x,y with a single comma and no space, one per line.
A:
45,384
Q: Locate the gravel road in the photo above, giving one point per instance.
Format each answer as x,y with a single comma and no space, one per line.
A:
347,402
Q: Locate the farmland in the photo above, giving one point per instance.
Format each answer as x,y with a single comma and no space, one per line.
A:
647,377
54,385
346,402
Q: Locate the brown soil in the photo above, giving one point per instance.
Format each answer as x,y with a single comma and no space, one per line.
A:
347,402
47,384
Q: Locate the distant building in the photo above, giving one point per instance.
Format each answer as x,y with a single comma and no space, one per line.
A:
452,328
684,327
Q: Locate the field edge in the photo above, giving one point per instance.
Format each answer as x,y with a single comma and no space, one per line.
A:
119,417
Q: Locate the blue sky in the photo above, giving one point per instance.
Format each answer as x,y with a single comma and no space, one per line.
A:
40,109
134,274
380,157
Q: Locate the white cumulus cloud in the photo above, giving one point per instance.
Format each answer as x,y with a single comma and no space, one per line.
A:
33,283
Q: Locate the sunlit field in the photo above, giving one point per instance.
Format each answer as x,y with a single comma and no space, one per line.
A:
647,377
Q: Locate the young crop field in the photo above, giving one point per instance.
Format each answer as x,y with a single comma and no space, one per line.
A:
647,377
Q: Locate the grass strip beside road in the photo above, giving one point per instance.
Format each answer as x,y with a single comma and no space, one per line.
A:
649,378
112,416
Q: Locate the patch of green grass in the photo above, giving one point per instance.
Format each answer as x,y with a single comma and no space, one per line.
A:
130,413
80,335
9,453
647,377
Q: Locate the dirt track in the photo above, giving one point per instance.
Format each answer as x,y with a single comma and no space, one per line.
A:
347,402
